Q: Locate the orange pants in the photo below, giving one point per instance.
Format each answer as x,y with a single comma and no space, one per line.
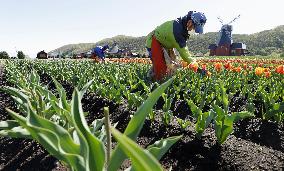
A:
158,59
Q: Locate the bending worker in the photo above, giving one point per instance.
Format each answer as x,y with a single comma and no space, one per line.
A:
99,52
171,35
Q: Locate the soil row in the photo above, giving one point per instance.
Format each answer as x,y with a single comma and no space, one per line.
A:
255,144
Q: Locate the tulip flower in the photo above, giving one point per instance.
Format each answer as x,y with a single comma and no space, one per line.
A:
228,66
259,71
204,66
266,69
208,73
193,66
218,66
267,74
238,69
250,68
280,69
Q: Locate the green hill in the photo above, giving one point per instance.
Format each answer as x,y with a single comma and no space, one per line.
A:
263,43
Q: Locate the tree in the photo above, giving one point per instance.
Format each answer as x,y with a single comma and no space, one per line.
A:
21,55
4,55
282,55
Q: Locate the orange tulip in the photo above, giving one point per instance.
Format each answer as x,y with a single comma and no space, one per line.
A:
193,66
238,69
228,66
218,66
280,69
267,74
266,69
245,66
259,71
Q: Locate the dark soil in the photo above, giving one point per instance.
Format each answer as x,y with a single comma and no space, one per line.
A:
266,133
255,144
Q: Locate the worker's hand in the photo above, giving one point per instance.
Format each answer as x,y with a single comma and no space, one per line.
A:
193,63
176,64
192,59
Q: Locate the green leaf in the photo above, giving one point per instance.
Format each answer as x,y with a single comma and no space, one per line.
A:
33,77
202,122
224,95
97,124
219,112
276,108
15,92
236,116
16,132
52,137
136,123
62,94
141,159
226,129
85,87
183,123
195,110
8,124
224,124
91,147
159,148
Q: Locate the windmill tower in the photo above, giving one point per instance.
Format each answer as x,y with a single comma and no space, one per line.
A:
225,45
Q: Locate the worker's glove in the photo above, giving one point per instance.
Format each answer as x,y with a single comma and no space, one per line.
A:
176,64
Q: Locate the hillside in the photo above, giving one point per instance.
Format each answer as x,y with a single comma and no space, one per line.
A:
262,43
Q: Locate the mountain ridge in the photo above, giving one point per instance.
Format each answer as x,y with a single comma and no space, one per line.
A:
264,42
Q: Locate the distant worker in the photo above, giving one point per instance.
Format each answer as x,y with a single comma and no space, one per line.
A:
171,35
98,52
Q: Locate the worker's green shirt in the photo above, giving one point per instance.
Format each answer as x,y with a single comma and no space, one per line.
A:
165,35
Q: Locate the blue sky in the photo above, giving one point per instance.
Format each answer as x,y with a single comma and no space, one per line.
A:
34,25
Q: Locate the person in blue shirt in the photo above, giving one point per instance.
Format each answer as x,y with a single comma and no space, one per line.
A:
99,52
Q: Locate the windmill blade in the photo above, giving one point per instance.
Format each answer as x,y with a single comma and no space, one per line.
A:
221,21
235,19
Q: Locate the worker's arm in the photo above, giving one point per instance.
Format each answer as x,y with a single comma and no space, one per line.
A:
180,36
185,54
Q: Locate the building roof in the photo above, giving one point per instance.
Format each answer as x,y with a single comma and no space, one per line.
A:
238,46
212,46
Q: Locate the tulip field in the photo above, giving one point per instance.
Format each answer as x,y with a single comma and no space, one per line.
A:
217,114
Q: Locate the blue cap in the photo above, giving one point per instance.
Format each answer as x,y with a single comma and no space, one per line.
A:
199,21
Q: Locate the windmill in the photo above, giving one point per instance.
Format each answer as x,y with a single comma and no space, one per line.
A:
225,45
